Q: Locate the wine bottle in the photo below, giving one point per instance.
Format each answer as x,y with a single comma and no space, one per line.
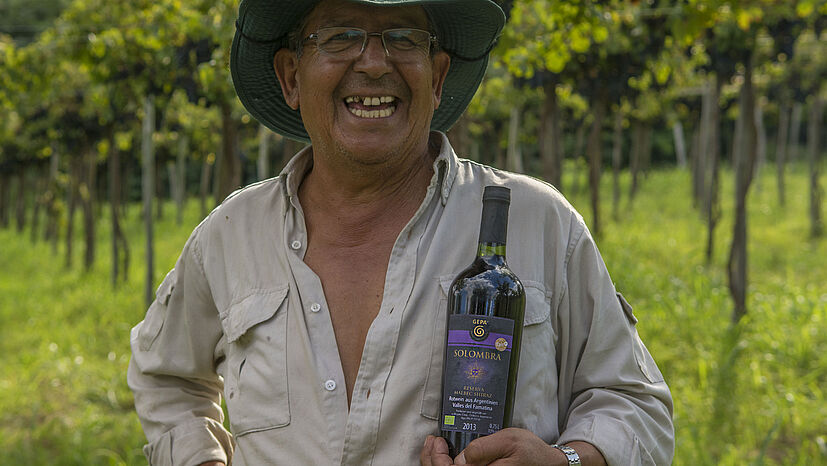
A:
486,306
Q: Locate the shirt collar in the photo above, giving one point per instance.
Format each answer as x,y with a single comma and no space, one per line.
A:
293,173
445,166
445,170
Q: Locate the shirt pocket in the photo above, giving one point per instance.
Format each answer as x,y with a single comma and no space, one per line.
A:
537,314
255,382
535,406
643,358
153,322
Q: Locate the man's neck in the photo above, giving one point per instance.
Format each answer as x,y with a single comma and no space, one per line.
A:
357,203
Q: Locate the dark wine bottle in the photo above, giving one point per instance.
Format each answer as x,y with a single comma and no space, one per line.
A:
486,306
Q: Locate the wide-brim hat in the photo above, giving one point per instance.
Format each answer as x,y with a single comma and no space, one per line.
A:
466,29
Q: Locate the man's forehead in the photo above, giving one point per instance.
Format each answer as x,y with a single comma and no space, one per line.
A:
343,12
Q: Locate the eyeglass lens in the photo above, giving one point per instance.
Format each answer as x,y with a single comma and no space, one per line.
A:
399,44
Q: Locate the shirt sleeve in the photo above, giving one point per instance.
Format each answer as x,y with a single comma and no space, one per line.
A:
612,393
172,372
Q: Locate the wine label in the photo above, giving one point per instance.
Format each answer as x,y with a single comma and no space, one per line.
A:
476,373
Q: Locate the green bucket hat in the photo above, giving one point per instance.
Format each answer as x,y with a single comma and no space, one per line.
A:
466,29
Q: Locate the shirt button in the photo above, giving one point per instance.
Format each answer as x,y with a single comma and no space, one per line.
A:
315,307
296,244
330,385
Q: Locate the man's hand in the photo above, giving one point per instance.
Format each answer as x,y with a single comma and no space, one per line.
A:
510,446
435,452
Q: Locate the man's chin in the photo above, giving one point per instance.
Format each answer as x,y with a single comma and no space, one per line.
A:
368,155
374,145
373,139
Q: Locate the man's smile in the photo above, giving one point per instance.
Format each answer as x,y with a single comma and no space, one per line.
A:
371,106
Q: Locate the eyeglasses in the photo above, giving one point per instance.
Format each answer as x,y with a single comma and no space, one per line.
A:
346,43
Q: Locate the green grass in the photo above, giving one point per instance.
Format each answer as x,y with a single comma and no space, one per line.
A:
751,394
64,347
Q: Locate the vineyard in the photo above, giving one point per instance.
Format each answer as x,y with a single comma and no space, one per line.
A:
689,133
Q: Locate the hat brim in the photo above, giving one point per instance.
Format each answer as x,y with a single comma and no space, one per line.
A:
466,29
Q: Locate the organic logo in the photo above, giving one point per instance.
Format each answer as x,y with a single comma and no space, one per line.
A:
501,344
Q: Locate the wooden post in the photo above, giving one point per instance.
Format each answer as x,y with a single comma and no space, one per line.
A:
760,141
744,164
550,136
180,175
814,124
680,143
263,152
593,149
711,148
781,147
514,157
228,170
795,131
148,190
617,159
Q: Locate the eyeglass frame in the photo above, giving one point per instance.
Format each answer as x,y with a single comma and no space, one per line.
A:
433,42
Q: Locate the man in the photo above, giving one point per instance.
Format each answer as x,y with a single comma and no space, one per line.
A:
316,300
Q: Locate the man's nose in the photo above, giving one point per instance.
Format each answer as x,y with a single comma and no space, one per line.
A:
374,59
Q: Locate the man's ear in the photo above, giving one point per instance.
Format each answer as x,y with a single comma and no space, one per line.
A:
286,64
439,67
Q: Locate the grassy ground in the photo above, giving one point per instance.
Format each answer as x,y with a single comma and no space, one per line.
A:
749,394
64,347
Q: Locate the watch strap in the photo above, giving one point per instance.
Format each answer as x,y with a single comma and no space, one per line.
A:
573,457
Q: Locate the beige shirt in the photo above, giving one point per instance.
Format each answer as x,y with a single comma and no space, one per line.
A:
241,312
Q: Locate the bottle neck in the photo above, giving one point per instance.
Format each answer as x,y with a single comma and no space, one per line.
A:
491,249
494,224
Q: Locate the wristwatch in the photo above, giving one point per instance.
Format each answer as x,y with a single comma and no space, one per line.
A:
574,458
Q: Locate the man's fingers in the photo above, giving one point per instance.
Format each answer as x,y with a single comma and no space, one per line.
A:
440,446
487,449
425,454
460,459
435,452
508,446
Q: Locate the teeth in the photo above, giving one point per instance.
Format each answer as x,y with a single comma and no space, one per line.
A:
369,101
385,112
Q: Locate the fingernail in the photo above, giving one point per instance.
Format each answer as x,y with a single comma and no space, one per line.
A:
460,459
427,439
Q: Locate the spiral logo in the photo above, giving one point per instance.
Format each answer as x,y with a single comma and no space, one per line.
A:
479,332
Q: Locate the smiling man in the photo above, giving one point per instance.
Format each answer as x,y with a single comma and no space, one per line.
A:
315,302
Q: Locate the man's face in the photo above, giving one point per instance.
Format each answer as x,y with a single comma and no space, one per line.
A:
337,98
